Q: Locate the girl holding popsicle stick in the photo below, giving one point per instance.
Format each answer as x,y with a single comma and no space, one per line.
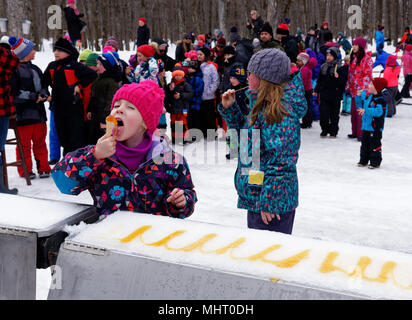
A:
268,189
130,168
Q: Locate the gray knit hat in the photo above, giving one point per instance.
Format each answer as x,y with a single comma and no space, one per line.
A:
234,35
272,65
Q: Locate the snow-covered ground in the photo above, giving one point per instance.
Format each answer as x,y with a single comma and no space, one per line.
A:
338,201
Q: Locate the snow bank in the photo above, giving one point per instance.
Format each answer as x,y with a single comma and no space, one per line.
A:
362,271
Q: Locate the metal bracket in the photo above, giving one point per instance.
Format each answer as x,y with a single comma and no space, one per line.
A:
83,248
15,232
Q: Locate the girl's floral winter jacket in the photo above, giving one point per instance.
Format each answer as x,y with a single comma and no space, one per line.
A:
113,187
277,154
148,70
360,75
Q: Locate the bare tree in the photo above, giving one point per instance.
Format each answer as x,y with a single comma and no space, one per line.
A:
222,16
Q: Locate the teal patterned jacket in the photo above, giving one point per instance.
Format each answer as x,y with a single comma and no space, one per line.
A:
276,154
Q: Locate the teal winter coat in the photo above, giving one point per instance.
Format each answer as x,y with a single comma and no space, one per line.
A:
277,154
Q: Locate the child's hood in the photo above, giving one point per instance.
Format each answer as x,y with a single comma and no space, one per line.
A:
312,63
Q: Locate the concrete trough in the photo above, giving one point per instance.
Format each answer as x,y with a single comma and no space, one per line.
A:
24,222
136,256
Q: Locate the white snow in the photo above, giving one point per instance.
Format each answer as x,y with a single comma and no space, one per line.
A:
34,214
339,202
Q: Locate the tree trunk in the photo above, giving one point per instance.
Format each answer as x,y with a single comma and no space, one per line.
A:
222,16
15,13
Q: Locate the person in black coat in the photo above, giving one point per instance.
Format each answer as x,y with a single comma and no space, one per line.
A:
178,97
230,62
65,76
183,46
289,43
255,25
74,24
161,54
330,86
311,41
244,47
143,33
324,32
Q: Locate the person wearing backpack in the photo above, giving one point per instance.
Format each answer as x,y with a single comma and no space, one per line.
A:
344,43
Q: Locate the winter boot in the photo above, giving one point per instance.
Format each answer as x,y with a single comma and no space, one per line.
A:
3,188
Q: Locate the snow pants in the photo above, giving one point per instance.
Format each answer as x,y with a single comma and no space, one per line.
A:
4,128
178,125
405,90
347,102
284,225
54,143
70,130
356,120
308,118
36,134
371,148
207,116
329,115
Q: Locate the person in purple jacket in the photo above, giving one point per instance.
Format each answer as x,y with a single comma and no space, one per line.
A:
131,169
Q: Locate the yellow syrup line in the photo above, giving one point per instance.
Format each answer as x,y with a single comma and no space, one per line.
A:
327,265
359,271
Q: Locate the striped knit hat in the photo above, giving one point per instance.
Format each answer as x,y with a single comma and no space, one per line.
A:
21,47
109,60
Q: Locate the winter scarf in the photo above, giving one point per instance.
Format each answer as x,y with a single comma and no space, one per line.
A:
134,157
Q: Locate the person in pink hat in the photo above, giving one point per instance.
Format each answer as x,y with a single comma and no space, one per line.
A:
131,168
360,76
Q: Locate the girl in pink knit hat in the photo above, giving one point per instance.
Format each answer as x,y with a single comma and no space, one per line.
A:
130,169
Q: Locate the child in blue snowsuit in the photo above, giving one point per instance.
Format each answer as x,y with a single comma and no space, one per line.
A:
373,109
267,186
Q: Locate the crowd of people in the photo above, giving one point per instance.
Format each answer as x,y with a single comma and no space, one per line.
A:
272,80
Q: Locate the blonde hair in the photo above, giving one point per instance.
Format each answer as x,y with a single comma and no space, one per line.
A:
154,45
269,101
254,12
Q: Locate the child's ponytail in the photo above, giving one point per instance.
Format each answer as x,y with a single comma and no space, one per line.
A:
269,101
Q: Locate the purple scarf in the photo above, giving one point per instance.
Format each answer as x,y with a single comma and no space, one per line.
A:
134,157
